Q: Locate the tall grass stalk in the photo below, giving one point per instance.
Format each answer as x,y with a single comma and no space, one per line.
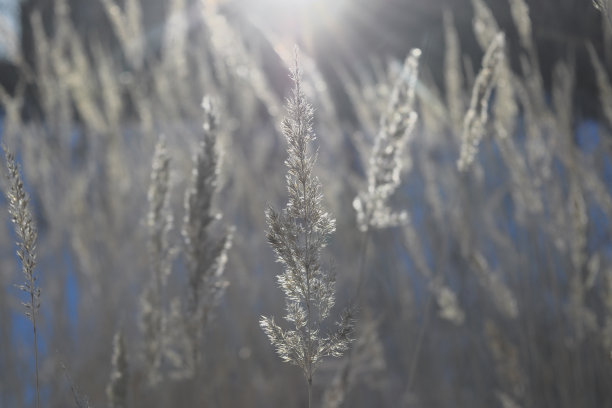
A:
477,115
298,234
387,161
25,228
159,222
206,255
117,388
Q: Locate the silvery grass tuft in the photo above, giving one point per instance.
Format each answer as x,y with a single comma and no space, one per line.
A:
386,163
159,222
117,388
25,227
298,234
477,114
205,254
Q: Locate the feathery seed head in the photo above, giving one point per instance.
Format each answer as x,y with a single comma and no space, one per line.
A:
387,163
25,227
477,115
159,222
297,235
117,388
205,255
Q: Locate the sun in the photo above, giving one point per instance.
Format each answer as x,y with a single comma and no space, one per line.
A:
296,18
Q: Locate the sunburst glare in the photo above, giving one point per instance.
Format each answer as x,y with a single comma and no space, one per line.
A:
297,18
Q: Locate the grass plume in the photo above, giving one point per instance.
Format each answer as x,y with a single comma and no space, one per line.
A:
25,228
206,255
117,388
298,234
387,161
159,222
477,115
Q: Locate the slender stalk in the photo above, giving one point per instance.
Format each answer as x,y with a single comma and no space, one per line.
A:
307,214
417,350
36,363
357,296
362,261
310,392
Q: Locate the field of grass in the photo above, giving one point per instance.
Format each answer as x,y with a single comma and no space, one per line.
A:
200,216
